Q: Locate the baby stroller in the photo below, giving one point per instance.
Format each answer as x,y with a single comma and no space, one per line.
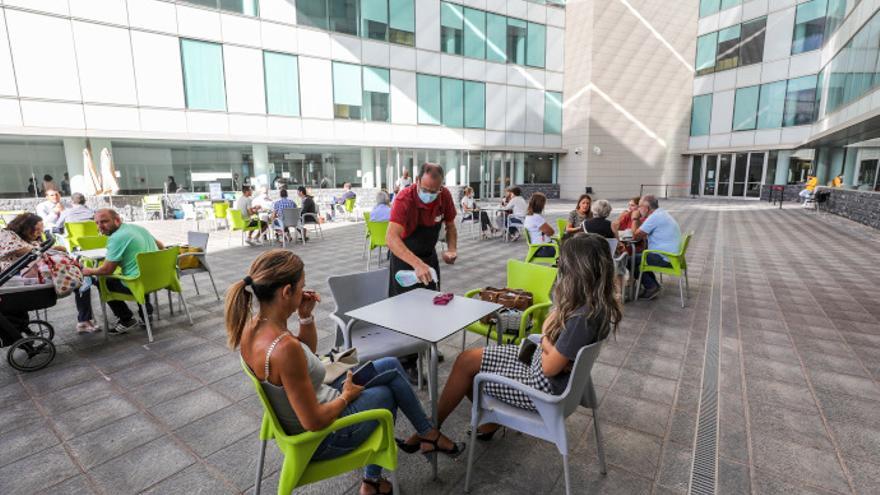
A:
29,341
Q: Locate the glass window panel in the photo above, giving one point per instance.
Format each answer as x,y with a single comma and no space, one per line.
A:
312,13
374,14
726,4
204,85
552,112
706,50
474,105
800,101
376,94
771,105
709,7
428,88
343,16
745,108
205,3
246,7
751,50
347,93
282,83
453,102
474,33
496,38
835,15
451,28
537,39
402,25
701,113
728,48
809,26
516,41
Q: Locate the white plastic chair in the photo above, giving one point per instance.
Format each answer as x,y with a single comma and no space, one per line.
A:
548,422
199,240
473,226
290,219
508,224
316,220
372,341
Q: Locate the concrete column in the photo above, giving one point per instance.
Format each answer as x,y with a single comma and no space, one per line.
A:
822,165
451,167
849,167
783,160
73,155
262,167
836,164
368,167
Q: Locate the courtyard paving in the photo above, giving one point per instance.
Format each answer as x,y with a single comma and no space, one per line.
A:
790,296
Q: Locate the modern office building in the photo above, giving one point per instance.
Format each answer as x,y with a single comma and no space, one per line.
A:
784,88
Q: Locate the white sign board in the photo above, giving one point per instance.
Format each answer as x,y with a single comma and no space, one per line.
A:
215,190
210,176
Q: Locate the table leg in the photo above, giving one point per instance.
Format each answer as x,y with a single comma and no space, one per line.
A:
635,282
432,390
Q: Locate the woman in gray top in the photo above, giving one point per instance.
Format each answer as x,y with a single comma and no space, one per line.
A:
577,216
292,376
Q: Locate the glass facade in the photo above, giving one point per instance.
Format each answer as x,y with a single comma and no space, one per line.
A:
281,74
246,7
771,105
552,112
854,70
451,102
809,26
800,101
709,7
497,38
203,80
734,46
377,94
402,24
474,105
428,89
777,104
745,109
384,20
347,92
701,115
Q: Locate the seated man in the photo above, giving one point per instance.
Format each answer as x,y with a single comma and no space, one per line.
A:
49,210
125,242
79,212
809,188
245,204
662,232
281,204
340,201
308,205
382,211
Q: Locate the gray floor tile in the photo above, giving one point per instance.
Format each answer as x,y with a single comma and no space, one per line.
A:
76,395
36,473
22,442
218,430
866,476
813,466
194,480
78,485
675,468
189,407
628,449
653,364
238,462
165,388
647,417
93,416
793,425
848,384
642,386
113,440
733,477
143,467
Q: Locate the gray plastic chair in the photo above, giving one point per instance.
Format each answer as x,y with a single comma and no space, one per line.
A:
315,221
372,341
199,240
548,422
289,219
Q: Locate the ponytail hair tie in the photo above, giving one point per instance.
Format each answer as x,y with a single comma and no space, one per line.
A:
248,281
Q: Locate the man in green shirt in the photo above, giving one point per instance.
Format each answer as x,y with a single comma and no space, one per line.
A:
125,242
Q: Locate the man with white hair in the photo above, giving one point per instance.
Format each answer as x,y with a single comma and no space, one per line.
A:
663,234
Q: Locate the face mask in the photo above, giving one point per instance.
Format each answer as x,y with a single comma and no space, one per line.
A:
427,197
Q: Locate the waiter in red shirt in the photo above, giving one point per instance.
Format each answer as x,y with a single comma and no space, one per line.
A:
417,214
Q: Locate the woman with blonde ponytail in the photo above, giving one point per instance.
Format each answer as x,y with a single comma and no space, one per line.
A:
585,311
292,376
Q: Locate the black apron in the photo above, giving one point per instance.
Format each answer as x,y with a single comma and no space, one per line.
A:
422,242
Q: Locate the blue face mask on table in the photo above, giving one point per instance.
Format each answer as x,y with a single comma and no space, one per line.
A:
427,197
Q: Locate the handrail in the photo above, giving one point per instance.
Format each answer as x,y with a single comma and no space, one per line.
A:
665,186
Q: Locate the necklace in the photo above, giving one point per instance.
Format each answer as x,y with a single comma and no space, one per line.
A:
283,326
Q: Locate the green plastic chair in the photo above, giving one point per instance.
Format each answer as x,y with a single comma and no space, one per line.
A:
75,230
531,255
92,242
220,209
678,268
561,225
297,470
158,271
152,204
237,223
376,234
537,279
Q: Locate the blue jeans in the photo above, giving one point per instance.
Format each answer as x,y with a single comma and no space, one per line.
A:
388,390
649,281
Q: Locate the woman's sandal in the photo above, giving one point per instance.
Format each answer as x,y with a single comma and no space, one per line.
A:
456,450
377,485
484,436
409,448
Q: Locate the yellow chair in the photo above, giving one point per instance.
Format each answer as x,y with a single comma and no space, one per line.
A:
237,223
76,230
92,242
376,233
220,209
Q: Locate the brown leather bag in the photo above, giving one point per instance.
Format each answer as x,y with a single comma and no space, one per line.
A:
509,298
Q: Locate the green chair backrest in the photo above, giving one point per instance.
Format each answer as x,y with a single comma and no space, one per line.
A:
537,279
349,204
158,270
367,216
561,225
377,232
685,240
76,230
220,209
274,425
235,220
92,242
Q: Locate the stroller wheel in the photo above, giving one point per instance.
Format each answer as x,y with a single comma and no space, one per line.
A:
40,328
31,353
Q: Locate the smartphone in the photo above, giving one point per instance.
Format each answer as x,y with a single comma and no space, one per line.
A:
364,374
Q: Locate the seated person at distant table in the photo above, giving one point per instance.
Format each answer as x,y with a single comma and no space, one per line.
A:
382,211
277,216
125,242
245,204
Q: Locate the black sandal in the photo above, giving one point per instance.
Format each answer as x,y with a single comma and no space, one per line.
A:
409,448
456,450
377,485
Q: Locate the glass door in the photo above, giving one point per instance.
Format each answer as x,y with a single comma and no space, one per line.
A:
710,172
739,174
724,164
754,175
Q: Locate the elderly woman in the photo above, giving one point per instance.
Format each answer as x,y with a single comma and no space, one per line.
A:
20,237
598,222
382,211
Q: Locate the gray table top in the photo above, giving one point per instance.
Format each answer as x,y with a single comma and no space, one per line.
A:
95,254
414,313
